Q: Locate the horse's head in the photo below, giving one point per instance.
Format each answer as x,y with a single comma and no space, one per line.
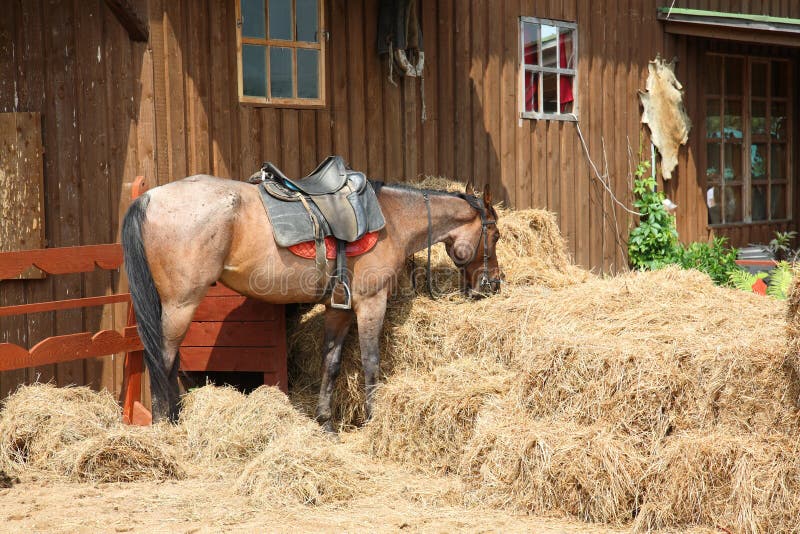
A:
473,247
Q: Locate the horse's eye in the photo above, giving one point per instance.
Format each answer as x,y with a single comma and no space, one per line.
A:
497,237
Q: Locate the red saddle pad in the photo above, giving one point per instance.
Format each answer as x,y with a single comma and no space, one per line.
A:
308,250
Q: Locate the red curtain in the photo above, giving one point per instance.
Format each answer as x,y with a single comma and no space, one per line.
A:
531,83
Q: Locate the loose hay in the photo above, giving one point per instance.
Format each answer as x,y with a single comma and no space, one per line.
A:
40,421
219,423
126,455
304,467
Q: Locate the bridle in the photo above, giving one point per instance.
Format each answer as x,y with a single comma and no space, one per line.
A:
485,281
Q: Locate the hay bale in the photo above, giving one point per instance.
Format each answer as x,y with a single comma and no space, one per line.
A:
656,352
551,466
125,454
305,467
219,423
741,481
425,419
40,421
793,331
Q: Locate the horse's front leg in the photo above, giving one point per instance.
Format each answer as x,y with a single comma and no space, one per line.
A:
369,314
337,324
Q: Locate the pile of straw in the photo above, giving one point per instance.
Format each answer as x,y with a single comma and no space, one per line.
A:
77,433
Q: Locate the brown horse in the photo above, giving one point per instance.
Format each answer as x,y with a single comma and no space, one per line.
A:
182,237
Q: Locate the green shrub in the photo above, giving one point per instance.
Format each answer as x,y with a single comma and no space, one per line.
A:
654,242
715,259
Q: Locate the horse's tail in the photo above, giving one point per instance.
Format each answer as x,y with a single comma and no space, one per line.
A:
145,297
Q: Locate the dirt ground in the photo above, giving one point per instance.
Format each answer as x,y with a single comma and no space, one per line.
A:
194,506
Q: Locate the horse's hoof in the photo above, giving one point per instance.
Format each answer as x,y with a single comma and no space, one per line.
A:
327,428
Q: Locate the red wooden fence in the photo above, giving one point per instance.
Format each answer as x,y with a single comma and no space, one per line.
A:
229,332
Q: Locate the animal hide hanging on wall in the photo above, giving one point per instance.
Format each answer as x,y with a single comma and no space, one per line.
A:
664,113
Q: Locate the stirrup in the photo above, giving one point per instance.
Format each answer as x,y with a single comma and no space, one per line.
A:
347,296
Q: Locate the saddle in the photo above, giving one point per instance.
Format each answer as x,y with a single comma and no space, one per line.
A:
333,201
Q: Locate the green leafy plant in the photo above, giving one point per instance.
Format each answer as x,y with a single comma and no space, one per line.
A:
780,278
744,280
779,245
715,259
654,242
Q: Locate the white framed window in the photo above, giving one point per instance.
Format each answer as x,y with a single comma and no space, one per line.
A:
548,56
281,52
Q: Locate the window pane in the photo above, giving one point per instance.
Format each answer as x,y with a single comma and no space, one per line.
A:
780,77
713,74
280,19
733,204
253,18
280,71
531,91
759,203
254,70
733,161
733,119
549,48
566,48
777,202
713,119
758,119
566,83
778,121
714,201
759,77
306,21
758,161
307,73
530,43
734,77
712,161
778,163
549,97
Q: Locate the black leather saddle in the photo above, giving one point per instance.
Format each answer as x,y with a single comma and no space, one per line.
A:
336,200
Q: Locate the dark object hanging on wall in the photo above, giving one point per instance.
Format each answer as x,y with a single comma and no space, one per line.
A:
400,36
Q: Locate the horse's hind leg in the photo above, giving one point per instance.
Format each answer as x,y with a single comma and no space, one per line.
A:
175,321
337,324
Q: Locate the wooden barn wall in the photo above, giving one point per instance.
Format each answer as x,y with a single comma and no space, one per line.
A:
72,61
472,129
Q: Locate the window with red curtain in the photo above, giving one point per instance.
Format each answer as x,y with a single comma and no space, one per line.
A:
548,52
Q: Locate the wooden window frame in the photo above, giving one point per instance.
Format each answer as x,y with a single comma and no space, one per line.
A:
747,142
295,102
524,67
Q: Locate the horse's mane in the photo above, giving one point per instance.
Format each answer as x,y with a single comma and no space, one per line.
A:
474,201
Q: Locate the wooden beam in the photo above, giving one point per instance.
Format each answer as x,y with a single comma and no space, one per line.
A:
130,19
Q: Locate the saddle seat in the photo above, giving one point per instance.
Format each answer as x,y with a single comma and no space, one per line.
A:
334,190
329,177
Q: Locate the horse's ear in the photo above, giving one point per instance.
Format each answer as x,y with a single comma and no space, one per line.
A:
487,195
470,190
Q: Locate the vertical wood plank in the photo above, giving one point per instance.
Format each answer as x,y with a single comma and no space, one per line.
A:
583,206
96,74
478,34
374,75
464,90
357,121
445,72
221,120
64,149
339,80
30,78
429,145
509,104
12,329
